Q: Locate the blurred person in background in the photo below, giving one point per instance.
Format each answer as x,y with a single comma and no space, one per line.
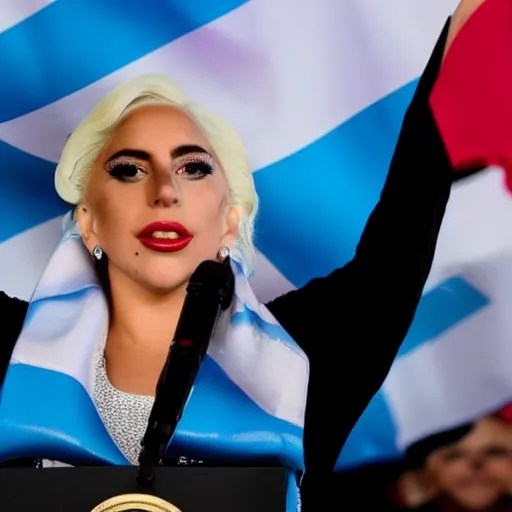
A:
468,468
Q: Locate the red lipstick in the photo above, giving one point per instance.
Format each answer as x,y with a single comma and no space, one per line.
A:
165,236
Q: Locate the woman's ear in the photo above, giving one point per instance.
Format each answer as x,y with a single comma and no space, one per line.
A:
233,216
84,218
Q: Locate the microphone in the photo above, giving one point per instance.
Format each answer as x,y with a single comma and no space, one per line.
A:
210,290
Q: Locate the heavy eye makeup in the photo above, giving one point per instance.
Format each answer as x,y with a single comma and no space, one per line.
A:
192,167
125,170
195,166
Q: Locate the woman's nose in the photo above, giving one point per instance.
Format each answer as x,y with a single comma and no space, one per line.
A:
166,192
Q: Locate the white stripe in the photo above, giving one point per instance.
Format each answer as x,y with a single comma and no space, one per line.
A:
284,73
477,225
466,372
13,12
267,282
25,256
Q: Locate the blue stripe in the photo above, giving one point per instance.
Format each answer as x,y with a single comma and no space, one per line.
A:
72,43
53,412
27,194
326,192
67,298
441,309
373,439
249,317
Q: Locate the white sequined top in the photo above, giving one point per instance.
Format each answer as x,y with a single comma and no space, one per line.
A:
124,415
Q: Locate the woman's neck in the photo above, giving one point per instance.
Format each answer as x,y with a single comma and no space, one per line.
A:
142,327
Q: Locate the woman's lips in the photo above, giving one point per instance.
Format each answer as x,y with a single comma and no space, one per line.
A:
165,236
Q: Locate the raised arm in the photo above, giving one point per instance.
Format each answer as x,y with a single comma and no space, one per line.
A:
352,322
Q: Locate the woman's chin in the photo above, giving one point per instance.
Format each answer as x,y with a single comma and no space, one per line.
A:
165,284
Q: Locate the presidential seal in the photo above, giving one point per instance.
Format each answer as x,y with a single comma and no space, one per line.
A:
135,503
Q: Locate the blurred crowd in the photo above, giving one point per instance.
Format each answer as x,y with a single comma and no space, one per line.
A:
467,468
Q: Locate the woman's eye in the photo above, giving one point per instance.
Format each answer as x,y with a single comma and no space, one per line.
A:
124,171
195,170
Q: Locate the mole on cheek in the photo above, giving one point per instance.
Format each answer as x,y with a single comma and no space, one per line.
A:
136,254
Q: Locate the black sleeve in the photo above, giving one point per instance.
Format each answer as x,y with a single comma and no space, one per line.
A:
351,323
13,313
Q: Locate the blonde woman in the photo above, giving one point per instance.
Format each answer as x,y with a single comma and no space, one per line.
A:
159,185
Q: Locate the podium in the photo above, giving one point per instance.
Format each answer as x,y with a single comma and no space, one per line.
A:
186,489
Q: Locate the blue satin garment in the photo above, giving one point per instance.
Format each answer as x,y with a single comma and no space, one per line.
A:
48,414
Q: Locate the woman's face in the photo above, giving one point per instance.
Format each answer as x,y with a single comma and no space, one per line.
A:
157,167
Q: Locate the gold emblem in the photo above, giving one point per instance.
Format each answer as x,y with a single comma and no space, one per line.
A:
135,503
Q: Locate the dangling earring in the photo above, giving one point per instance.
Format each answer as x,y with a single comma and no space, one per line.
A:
97,252
223,254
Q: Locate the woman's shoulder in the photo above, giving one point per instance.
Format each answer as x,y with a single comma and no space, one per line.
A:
13,312
13,309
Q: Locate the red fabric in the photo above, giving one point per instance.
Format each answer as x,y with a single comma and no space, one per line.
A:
472,98
505,413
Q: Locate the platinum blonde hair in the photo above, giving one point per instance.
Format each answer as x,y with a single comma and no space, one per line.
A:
86,142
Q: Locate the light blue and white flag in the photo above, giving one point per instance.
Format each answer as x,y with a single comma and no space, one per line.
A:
317,89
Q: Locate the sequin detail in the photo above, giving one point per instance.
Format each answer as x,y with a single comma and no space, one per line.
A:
124,415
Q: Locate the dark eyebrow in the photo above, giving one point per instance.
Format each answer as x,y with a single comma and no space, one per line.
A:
187,149
140,154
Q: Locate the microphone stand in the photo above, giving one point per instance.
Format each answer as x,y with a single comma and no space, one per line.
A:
209,291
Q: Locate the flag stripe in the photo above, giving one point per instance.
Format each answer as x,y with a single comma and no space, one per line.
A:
355,177
27,195
441,309
367,444
25,256
72,43
14,11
